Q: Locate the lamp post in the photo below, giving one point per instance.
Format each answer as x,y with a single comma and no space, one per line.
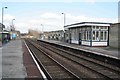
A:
12,26
3,15
42,31
64,18
12,21
42,27
63,27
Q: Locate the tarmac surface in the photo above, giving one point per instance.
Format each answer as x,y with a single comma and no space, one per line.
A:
12,60
16,62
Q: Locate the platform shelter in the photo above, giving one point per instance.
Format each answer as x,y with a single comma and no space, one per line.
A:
88,33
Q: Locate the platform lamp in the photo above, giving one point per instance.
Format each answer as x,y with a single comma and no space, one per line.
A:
42,31
64,26
12,27
3,15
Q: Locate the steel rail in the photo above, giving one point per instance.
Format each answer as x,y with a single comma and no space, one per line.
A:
93,62
36,46
79,63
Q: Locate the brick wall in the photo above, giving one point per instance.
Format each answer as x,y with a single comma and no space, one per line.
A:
114,37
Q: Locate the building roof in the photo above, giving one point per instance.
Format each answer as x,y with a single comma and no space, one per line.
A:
4,32
87,24
57,31
115,24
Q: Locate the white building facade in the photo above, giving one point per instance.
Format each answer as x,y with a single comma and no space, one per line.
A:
88,33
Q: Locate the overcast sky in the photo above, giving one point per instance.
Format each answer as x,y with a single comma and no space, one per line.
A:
31,14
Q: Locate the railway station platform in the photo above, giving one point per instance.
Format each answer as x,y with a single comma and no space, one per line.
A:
16,63
104,51
12,60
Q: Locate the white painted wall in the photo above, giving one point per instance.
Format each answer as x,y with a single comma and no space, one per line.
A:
75,41
99,43
86,43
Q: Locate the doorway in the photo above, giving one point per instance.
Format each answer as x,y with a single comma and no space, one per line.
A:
80,38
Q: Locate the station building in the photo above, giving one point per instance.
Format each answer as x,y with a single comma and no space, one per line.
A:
88,33
56,35
14,35
4,37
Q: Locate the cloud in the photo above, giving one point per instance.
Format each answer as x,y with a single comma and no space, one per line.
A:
23,27
8,17
84,18
52,21
50,15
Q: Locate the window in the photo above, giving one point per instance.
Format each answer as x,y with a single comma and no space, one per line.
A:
101,35
84,35
97,27
104,27
94,27
73,34
93,35
101,27
104,35
97,35
87,35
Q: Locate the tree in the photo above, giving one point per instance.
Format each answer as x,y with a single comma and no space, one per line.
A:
33,33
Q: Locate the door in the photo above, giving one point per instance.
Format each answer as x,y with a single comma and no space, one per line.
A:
70,38
80,39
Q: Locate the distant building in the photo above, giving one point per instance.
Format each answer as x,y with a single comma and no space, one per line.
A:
14,35
114,38
88,33
24,35
4,37
54,35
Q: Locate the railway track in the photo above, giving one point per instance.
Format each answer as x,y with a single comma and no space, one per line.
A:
106,70
52,68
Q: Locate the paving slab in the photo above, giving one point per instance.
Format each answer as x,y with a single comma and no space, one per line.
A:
12,60
105,51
